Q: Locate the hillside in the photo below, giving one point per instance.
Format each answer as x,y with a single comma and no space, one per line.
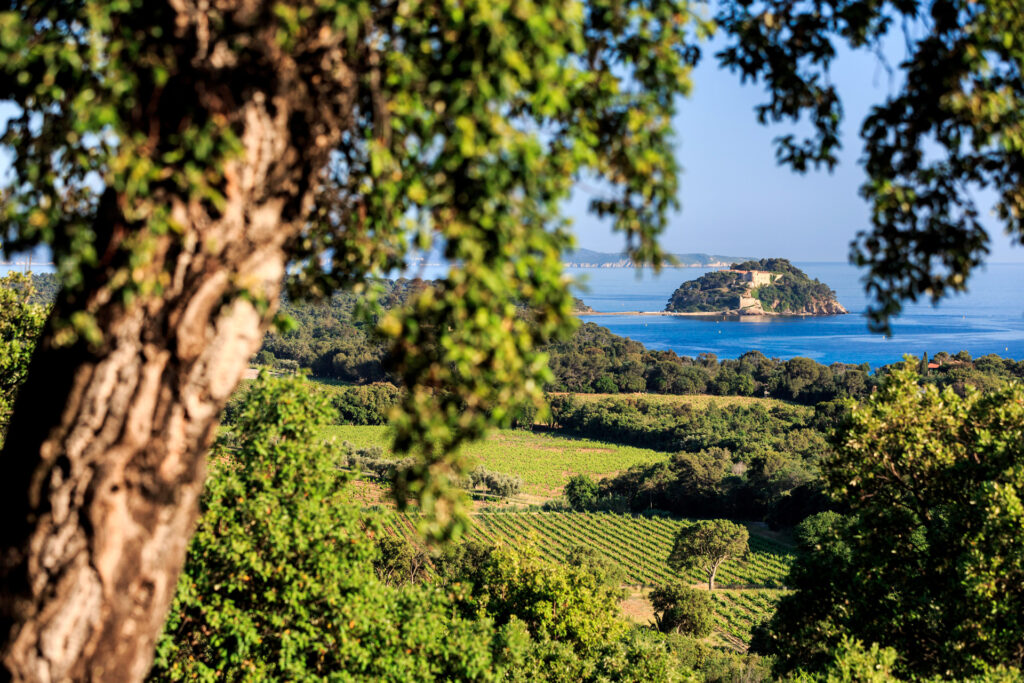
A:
587,258
764,287
750,586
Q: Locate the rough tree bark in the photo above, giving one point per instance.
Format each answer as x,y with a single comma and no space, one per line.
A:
104,462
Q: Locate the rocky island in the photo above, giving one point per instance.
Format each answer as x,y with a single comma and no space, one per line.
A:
764,287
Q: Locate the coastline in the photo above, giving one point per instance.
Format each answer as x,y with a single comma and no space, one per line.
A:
626,266
709,314
613,265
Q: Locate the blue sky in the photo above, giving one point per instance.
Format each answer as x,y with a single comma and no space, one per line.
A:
736,201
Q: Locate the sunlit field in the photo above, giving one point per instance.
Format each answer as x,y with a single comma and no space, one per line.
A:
544,461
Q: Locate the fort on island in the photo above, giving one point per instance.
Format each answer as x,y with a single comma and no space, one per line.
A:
756,278
771,286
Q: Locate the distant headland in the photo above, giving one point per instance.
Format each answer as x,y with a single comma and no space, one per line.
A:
771,286
585,258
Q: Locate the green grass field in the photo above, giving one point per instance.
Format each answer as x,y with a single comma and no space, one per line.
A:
544,461
747,588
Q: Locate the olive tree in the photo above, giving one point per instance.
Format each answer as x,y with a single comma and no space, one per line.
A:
706,545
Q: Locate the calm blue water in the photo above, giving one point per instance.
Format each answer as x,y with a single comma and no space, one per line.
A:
987,319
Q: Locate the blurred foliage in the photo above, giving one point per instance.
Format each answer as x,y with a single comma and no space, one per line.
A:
853,662
458,126
954,126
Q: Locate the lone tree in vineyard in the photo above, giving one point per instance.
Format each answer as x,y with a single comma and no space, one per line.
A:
177,156
706,545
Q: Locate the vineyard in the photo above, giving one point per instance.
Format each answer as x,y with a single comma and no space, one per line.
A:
544,461
738,611
746,588
640,544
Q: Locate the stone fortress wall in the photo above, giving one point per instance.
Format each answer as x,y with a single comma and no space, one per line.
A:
757,278
750,304
754,278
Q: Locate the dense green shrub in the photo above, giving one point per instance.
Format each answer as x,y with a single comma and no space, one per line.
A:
280,582
22,314
580,492
364,405
749,462
929,559
681,609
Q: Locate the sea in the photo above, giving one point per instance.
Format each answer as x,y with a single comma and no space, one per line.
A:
988,318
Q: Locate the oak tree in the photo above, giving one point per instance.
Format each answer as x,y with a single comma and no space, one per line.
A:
678,608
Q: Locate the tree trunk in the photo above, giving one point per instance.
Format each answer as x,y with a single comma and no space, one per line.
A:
100,488
711,575
104,459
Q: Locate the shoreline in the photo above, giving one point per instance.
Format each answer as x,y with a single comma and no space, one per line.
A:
597,266
708,314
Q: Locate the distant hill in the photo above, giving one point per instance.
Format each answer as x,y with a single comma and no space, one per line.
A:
585,258
762,287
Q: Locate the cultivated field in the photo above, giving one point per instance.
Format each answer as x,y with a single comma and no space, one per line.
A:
544,461
746,588
640,544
